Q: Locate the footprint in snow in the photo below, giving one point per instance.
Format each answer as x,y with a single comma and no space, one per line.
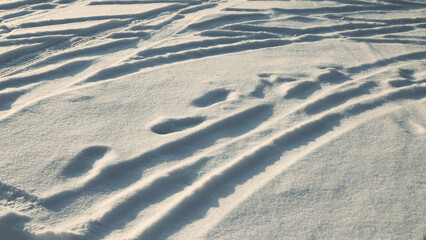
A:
172,125
210,98
84,161
333,76
407,78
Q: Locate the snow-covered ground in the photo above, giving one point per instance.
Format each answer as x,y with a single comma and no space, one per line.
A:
212,119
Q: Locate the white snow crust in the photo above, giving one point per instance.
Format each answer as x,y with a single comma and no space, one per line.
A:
212,119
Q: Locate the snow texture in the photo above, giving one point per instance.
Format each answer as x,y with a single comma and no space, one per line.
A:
212,119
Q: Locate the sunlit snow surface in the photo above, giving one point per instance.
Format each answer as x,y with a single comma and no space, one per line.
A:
197,119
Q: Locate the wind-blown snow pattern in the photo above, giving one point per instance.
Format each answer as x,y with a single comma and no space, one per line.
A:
212,119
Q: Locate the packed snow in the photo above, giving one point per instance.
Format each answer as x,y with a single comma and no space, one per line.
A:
212,119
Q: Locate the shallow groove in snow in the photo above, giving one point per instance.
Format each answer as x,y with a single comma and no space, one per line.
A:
144,119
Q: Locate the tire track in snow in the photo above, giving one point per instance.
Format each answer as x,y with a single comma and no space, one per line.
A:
218,46
327,100
115,23
312,126
201,191
245,190
60,41
61,71
287,143
171,151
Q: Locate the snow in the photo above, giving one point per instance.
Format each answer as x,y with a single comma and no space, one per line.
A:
212,119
